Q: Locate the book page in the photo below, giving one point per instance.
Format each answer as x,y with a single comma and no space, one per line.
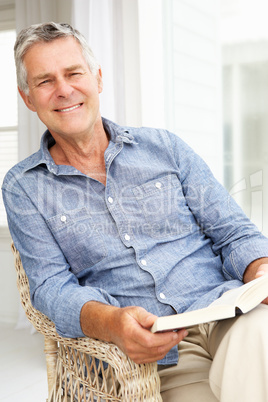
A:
245,294
230,297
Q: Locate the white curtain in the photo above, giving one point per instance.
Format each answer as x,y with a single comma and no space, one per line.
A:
33,12
100,21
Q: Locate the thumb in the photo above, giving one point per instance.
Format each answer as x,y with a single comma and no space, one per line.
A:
147,319
262,270
259,274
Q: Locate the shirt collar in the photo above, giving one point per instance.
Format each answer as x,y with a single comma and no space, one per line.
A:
116,134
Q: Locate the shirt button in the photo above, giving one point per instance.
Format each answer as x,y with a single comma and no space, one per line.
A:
162,296
110,200
63,218
127,237
158,185
143,262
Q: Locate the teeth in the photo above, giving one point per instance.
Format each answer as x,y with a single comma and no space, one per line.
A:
68,109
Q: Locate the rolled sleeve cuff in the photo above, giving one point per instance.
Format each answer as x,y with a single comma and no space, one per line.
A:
242,256
68,319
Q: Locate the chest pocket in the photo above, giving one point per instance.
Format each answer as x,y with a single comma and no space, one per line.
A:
78,239
164,207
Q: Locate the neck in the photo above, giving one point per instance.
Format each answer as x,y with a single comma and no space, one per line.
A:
85,154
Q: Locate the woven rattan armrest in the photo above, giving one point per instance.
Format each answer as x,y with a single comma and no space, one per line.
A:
85,369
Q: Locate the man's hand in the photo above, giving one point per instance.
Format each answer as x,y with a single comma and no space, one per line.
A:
133,335
128,328
256,269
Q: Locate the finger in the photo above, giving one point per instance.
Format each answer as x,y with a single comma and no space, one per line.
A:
159,342
168,340
262,271
158,348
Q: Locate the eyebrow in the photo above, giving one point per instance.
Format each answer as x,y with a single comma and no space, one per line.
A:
75,67
41,77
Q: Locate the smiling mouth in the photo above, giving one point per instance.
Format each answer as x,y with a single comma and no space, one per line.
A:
69,109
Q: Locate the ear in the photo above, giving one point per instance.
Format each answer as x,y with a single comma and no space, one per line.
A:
99,79
27,100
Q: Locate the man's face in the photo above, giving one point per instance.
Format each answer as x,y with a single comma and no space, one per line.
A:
62,89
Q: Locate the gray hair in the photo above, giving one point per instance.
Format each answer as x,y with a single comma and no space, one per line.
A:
47,32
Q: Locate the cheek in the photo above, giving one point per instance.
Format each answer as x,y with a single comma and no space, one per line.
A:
44,105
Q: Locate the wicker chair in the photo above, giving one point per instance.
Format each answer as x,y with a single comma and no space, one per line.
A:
84,369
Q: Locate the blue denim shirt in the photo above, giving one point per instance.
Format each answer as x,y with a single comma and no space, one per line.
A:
163,234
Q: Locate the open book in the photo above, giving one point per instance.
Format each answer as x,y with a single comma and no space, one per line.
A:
233,302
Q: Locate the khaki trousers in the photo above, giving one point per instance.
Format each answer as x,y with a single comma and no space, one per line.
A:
223,361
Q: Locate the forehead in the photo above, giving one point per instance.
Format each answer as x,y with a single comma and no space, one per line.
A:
59,53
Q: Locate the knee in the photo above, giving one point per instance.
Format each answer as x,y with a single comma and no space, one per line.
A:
257,316
252,326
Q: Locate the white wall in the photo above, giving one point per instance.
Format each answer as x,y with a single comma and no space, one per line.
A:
193,71
152,62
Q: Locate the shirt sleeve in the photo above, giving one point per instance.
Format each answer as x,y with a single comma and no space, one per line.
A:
54,289
235,238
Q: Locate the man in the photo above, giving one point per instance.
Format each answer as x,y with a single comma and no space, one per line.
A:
118,225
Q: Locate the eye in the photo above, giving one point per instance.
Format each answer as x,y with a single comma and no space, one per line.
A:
75,74
44,82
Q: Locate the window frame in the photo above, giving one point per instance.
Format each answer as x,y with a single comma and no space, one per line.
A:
7,23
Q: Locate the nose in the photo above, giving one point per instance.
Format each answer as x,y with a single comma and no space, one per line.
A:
63,88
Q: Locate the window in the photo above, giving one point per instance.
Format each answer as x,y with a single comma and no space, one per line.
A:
193,71
8,107
244,35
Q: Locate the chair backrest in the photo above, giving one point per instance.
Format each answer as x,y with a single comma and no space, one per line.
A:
38,320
